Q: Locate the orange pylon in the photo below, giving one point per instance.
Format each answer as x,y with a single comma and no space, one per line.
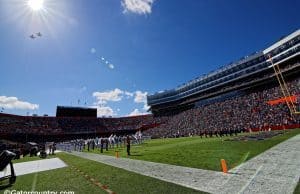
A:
224,166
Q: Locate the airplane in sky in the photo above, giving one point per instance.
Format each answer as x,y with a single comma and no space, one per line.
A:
33,36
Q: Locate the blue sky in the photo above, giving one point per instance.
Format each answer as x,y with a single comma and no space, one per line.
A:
110,53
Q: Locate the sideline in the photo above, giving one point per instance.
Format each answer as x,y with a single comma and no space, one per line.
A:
23,168
274,171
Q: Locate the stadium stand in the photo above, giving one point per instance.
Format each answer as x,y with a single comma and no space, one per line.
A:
252,70
27,128
235,98
249,111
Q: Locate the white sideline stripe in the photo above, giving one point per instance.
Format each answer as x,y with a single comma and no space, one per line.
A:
252,178
184,176
34,166
276,170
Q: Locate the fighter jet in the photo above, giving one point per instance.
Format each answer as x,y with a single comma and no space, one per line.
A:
32,36
39,34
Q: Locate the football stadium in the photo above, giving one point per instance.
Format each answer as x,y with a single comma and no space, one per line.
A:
235,129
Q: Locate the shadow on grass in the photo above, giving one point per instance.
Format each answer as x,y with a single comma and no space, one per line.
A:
2,187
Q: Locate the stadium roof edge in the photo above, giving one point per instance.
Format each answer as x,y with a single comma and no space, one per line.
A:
241,60
282,41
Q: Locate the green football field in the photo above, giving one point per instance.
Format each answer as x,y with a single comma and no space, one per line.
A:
297,190
117,180
204,153
195,152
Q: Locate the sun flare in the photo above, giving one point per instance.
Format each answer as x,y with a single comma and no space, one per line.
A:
36,4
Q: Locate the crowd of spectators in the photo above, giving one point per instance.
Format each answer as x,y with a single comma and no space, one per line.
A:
13,124
29,125
245,82
240,113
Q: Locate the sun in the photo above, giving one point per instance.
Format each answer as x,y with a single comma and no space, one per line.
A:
36,4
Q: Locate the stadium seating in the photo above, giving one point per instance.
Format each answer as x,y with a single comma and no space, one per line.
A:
47,126
229,108
244,112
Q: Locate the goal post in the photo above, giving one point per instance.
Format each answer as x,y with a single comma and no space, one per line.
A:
292,103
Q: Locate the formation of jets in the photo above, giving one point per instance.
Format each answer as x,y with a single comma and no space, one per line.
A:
33,36
111,66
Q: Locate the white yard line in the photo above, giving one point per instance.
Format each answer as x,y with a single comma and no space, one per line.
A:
274,171
248,183
185,176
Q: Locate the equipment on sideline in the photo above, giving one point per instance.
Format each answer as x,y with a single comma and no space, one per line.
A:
6,158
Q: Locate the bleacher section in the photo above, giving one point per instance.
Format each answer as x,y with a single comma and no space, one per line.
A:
249,71
237,97
248,111
27,128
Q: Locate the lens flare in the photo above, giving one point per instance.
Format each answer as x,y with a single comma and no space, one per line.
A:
36,4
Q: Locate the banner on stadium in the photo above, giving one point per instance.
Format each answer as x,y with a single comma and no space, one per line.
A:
292,99
275,128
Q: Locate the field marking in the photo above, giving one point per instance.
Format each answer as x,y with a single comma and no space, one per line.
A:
184,176
242,160
93,181
34,182
285,154
245,157
252,178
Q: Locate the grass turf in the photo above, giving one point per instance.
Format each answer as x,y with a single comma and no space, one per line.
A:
297,190
200,153
117,180
195,152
